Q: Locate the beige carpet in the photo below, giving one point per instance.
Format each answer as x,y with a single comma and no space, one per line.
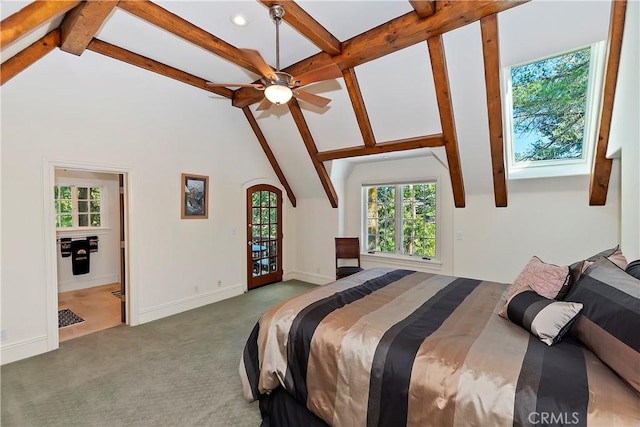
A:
177,371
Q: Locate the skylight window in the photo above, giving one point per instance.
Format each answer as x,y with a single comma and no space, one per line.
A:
552,107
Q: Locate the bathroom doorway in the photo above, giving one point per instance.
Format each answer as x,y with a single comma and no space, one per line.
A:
90,225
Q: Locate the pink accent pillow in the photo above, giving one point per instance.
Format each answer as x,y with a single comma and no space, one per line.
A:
546,279
617,257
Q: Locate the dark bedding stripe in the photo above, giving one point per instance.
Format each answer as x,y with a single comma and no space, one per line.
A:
250,358
627,309
552,388
395,354
528,383
306,322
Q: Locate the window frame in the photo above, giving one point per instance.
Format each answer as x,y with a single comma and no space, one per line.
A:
397,254
75,214
558,167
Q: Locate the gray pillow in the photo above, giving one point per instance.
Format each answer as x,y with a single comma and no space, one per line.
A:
633,268
609,323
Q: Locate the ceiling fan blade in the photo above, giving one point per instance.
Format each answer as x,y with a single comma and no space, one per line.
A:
331,71
254,85
318,101
258,61
264,105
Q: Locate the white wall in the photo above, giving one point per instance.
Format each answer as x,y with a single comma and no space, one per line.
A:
316,227
549,217
157,129
625,131
104,264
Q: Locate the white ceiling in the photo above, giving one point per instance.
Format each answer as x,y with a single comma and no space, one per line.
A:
397,89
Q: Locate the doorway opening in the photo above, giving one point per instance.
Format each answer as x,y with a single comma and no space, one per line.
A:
89,219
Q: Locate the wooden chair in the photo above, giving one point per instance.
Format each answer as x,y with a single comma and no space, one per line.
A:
347,248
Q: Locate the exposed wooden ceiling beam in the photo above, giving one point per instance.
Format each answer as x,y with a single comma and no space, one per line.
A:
427,141
267,151
443,95
82,23
29,18
391,36
601,172
156,15
16,64
305,133
299,19
424,8
359,108
491,52
129,57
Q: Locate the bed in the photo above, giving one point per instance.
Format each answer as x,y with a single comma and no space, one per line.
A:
391,347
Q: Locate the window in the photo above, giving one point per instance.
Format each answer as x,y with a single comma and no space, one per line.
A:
401,219
552,107
77,206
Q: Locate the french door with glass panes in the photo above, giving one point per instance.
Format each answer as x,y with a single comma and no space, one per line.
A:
264,231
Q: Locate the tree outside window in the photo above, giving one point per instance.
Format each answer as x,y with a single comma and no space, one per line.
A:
77,206
550,106
413,232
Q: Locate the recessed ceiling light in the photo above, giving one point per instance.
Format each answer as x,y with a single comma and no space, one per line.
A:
239,20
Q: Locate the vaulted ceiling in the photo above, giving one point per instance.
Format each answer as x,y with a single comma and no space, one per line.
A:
392,55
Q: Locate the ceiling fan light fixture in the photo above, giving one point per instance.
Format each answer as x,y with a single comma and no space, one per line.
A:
278,93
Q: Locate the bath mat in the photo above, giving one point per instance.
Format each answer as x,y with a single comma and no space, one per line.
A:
117,294
67,317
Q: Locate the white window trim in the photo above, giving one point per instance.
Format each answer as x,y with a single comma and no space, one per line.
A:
76,229
397,257
557,168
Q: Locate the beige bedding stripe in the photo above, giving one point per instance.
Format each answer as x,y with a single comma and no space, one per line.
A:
322,368
481,375
610,349
438,358
286,312
611,403
352,390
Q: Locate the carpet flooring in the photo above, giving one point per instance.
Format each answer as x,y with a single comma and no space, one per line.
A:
178,371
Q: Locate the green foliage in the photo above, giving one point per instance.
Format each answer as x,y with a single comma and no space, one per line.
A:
88,200
95,193
549,104
417,222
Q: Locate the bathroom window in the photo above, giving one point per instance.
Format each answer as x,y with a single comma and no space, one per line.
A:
77,206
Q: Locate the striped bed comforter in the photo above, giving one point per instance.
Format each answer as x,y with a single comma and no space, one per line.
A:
389,347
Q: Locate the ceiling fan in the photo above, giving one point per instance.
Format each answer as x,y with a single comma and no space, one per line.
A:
279,87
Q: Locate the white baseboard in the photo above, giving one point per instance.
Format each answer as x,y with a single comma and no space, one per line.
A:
316,279
163,310
23,349
90,283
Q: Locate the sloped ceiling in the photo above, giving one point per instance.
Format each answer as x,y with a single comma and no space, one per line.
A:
400,101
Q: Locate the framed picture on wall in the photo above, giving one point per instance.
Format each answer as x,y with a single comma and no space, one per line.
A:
194,196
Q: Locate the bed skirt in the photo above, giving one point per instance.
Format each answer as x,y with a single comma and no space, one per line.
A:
280,409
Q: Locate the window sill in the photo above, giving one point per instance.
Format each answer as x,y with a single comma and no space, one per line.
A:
402,260
83,232
551,171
